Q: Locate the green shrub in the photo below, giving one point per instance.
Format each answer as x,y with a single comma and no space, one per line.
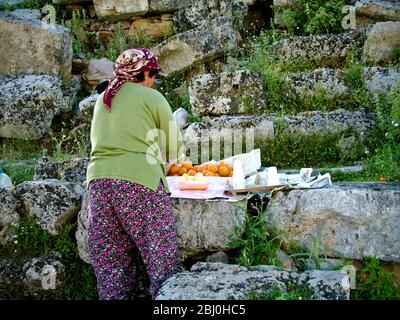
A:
20,173
258,244
300,151
34,4
293,292
313,17
373,283
80,37
385,159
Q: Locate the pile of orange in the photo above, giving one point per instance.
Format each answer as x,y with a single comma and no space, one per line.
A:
220,169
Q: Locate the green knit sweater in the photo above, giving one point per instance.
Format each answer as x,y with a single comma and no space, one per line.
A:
125,143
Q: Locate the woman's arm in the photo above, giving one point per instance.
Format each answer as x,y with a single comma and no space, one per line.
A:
171,136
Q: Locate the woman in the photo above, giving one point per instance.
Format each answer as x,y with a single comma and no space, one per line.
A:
129,204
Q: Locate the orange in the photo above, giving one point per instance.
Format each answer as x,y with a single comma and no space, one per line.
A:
201,168
175,175
222,164
187,165
223,171
208,173
230,173
174,169
213,168
192,172
182,171
230,167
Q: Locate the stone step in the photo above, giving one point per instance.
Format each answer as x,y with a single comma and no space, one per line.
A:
252,130
181,51
243,92
218,281
349,220
321,50
201,12
331,50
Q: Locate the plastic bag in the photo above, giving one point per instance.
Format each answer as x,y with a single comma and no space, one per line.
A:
5,180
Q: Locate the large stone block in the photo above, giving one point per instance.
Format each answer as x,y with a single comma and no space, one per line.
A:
328,122
370,11
168,5
381,80
227,93
180,52
28,105
156,27
321,50
9,215
218,281
350,220
232,131
381,40
202,11
30,46
113,9
51,202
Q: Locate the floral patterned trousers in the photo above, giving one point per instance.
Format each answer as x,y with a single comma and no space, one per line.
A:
124,215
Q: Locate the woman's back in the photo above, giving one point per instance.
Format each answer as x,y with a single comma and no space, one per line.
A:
121,139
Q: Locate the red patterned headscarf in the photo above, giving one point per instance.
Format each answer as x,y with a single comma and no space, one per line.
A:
128,65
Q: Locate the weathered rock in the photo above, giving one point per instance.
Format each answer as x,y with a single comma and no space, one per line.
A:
371,11
219,256
81,233
351,220
218,281
28,105
381,40
86,108
381,80
155,27
51,202
181,117
97,71
202,226
201,12
327,122
45,169
75,170
26,14
9,216
33,47
180,52
287,262
113,9
306,84
321,50
168,5
228,129
40,274
226,93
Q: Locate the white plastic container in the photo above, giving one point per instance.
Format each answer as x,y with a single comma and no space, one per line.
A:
272,176
238,178
5,181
